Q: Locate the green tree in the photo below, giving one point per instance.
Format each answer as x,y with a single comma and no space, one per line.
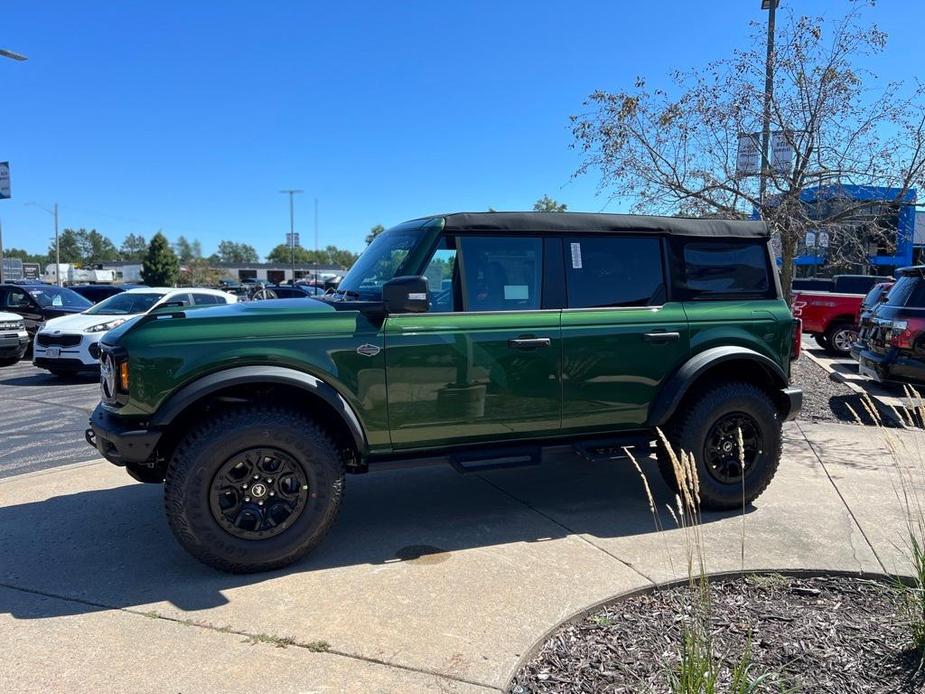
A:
82,247
133,247
160,267
373,233
69,247
547,204
231,252
281,254
25,256
187,251
341,258
198,273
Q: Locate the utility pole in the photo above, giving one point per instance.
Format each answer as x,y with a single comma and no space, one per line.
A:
1,252
57,251
291,193
771,7
316,225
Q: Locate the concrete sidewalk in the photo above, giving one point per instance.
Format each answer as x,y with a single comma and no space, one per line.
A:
430,581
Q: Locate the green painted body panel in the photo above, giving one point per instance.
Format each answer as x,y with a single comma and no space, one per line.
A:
453,378
610,373
305,335
763,325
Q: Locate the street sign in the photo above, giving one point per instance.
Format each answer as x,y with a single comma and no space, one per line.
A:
31,271
748,155
4,180
781,154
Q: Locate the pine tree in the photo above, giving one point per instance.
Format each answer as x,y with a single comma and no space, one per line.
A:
160,267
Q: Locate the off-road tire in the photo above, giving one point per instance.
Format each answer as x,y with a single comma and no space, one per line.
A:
206,448
832,339
143,473
688,431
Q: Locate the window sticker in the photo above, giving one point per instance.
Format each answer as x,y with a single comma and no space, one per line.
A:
576,256
516,292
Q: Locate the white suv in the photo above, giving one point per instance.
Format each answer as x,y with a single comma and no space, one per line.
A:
70,344
14,340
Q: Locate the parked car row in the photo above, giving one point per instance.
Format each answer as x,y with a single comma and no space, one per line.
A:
831,315
891,342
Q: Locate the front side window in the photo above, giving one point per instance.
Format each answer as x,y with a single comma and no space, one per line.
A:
16,298
613,271
501,273
718,268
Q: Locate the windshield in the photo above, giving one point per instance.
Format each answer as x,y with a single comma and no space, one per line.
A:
126,303
381,261
58,297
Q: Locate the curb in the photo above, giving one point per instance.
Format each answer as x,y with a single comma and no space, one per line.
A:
51,470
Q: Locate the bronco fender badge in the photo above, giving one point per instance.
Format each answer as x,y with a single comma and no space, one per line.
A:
368,350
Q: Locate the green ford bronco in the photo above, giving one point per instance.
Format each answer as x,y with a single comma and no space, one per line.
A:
481,340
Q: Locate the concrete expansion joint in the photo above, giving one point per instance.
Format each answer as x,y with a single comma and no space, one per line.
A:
570,531
320,647
848,509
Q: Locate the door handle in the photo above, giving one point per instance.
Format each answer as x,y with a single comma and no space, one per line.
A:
529,342
661,337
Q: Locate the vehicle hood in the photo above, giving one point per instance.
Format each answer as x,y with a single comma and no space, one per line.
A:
9,317
232,319
77,323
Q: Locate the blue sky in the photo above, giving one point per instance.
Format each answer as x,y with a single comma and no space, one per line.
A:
190,116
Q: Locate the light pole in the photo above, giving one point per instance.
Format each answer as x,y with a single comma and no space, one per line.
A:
54,213
771,7
12,55
291,193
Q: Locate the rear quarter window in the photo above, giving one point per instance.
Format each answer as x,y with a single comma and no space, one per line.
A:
908,292
721,268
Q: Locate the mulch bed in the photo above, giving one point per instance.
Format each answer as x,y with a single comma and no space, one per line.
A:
824,398
830,634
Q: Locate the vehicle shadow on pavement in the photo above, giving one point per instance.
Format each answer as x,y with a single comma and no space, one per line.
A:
111,548
46,379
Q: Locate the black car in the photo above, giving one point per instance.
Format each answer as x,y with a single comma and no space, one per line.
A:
894,347
97,292
38,302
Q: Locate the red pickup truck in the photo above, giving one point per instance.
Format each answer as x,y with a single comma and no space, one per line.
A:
831,317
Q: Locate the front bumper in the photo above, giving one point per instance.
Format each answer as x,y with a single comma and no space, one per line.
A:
892,366
13,344
792,401
83,355
121,441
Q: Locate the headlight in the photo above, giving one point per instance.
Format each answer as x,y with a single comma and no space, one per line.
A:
13,325
102,327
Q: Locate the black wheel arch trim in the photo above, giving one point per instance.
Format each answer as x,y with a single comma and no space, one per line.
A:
243,375
677,385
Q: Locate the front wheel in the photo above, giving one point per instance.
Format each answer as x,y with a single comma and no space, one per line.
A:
253,489
708,428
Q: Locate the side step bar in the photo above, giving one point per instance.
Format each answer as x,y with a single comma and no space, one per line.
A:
603,450
479,461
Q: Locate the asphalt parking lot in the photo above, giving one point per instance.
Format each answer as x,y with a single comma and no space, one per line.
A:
43,418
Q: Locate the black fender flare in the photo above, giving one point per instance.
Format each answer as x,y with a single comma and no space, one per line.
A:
677,385
241,375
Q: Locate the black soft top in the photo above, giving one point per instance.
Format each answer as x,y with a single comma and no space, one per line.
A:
592,222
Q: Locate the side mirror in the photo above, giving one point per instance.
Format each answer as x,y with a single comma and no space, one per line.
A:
406,295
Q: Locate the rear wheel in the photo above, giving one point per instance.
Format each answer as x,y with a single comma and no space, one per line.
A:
253,489
839,339
821,341
708,428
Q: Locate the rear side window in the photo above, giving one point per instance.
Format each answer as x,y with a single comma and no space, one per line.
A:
720,268
206,300
613,271
908,292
